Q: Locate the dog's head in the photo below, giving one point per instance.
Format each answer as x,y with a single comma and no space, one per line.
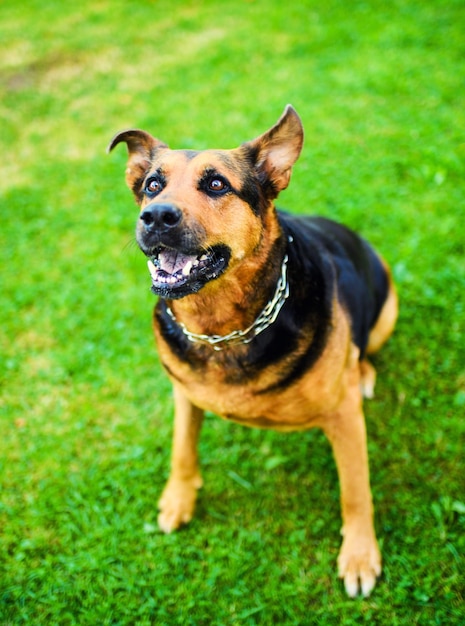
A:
203,213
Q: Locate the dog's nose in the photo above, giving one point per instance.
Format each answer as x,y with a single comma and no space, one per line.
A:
160,217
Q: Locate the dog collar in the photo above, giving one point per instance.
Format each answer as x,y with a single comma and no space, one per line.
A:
264,320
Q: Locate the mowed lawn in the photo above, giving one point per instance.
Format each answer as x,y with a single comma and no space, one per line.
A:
85,408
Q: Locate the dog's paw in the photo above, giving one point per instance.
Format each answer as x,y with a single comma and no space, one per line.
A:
359,564
177,503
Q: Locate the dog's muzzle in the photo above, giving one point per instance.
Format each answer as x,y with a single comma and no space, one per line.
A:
179,263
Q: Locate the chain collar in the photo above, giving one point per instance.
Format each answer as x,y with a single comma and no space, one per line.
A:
267,317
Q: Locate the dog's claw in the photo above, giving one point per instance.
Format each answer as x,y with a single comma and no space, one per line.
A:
355,585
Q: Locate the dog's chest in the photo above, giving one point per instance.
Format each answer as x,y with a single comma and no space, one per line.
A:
224,388
271,392
297,407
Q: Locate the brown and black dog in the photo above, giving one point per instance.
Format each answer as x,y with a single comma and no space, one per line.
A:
263,318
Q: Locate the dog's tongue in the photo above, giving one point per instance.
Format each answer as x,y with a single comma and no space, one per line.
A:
171,261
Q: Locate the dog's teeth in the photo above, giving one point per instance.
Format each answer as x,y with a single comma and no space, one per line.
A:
204,257
187,268
152,269
195,263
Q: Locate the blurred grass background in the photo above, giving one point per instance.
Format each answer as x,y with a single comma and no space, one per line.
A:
85,408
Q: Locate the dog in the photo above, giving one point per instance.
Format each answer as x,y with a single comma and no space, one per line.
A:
263,318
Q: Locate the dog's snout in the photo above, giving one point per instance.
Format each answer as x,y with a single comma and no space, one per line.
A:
160,217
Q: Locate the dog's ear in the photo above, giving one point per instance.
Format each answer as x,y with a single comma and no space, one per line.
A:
276,151
141,149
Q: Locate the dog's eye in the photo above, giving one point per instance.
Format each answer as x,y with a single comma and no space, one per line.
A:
153,185
217,185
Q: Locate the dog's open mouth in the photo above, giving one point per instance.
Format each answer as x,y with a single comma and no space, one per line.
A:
176,274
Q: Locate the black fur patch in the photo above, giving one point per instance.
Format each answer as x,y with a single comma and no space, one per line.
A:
172,332
360,277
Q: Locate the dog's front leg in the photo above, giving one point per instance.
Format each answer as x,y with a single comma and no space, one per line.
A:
359,560
177,502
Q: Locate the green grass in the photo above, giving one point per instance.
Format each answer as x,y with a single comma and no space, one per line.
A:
85,409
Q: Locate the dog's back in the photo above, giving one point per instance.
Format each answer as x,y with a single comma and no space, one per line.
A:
362,279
